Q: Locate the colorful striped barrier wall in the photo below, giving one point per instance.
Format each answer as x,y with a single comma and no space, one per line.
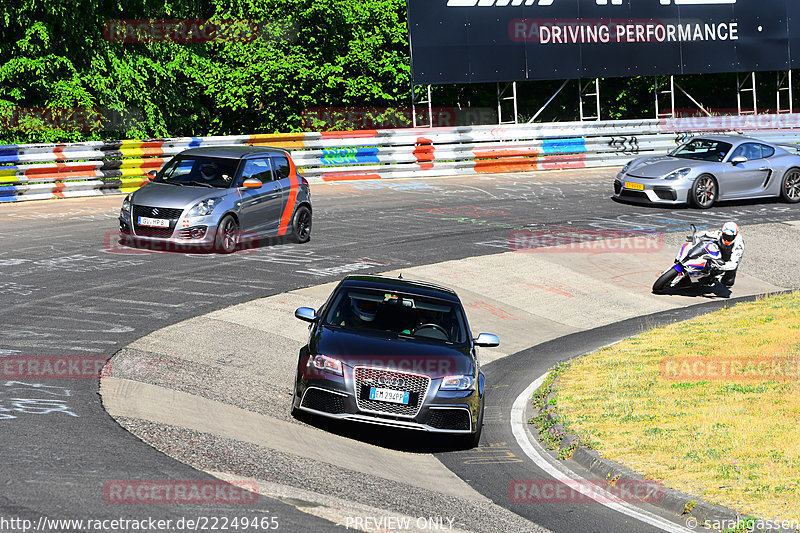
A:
43,171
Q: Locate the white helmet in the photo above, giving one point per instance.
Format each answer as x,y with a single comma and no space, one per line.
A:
729,232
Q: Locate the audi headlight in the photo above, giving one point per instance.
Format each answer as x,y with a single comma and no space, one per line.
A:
328,364
126,204
457,383
205,207
677,174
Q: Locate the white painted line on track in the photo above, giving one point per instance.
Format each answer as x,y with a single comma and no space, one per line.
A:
560,473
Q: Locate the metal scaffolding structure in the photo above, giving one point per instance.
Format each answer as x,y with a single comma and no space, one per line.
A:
502,98
743,87
427,102
583,94
665,89
784,87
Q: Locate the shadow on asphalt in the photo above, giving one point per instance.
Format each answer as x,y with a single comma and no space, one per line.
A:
143,246
411,441
687,207
717,290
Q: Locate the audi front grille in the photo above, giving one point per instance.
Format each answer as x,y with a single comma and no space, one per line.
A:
415,384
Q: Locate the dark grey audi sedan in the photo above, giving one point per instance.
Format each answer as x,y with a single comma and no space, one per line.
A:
395,353
217,197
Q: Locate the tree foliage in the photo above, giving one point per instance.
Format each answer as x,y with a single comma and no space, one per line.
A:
304,54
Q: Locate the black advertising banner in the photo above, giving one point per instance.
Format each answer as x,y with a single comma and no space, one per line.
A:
473,41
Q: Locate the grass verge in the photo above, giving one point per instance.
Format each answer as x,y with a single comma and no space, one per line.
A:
709,406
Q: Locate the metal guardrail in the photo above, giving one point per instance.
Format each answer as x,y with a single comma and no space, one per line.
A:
43,171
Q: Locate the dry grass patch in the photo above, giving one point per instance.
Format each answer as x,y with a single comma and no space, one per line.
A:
733,442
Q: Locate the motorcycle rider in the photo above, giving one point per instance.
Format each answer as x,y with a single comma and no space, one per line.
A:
731,247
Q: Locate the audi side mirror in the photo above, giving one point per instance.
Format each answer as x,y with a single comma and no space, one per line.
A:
487,340
306,314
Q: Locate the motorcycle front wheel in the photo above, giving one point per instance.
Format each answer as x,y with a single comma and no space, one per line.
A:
664,281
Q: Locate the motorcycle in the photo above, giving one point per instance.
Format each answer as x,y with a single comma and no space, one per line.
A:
694,264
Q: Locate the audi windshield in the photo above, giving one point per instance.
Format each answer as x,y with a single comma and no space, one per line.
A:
403,315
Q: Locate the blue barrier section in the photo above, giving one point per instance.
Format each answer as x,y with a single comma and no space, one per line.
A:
9,153
8,193
338,156
574,145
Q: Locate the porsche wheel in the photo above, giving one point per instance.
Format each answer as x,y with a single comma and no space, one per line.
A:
704,191
790,186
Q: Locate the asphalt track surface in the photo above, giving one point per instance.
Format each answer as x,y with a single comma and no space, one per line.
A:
67,288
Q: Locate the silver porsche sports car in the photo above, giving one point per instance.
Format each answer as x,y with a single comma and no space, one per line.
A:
710,168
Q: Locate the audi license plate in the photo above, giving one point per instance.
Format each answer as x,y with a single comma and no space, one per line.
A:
389,395
154,222
634,186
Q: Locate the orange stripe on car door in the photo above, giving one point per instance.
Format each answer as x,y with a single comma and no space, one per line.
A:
288,209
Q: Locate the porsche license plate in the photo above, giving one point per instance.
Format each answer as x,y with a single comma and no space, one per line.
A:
634,186
389,395
154,222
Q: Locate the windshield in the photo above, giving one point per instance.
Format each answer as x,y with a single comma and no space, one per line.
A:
199,171
703,150
399,314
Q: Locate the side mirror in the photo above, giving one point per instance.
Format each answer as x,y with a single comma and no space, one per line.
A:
487,340
152,174
739,159
306,314
252,183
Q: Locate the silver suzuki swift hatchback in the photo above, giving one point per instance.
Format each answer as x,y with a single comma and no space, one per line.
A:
218,197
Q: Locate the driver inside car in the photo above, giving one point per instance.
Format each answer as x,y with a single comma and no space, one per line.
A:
430,322
362,313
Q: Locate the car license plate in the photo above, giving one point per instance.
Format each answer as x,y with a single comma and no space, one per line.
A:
154,222
634,186
388,395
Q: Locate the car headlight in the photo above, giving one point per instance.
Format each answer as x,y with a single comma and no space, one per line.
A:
205,207
126,204
328,364
677,174
626,167
457,383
